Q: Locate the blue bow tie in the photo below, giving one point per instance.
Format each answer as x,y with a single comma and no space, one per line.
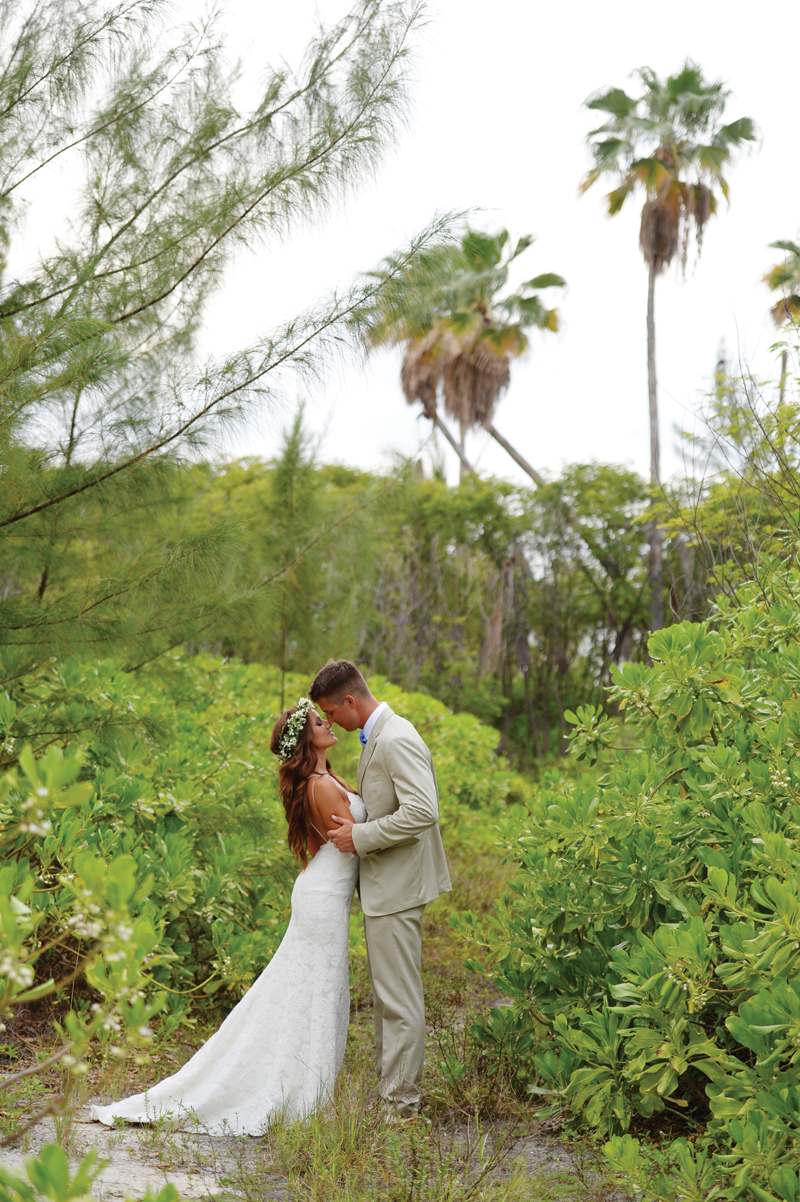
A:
362,738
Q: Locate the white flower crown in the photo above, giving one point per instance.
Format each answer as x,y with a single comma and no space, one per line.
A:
293,727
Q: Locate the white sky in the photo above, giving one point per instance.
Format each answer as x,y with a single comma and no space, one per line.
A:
497,124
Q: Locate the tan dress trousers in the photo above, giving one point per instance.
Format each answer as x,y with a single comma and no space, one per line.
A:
394,950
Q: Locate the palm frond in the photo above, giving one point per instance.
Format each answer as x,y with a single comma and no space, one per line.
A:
473,380
547,280
652,173
669,139
785,277
617,197
460,331
791,248
742,130
659,232
612,100
422,370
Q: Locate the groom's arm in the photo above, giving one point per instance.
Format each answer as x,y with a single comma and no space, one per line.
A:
409,768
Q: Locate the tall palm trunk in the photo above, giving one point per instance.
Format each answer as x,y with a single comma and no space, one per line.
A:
465,465
656,566
463,472
515,455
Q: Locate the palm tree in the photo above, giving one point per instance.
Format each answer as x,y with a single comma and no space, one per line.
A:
785,278
460,335
460,338
669,143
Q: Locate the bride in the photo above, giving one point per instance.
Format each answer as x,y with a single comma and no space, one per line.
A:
279,1050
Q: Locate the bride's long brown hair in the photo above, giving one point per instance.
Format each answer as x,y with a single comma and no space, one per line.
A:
293,777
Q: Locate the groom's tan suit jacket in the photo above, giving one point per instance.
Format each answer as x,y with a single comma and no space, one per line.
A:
402,858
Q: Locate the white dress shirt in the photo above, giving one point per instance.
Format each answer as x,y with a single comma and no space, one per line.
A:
371,720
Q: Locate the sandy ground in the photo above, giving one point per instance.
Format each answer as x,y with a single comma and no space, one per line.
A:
205,1167
195,1164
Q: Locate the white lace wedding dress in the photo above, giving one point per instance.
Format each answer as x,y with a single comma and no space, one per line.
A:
280,1049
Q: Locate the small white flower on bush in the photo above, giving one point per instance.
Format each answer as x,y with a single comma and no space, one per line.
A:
20,974
84,926
35,828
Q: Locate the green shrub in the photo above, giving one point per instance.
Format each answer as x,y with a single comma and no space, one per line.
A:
177,775
154,847
56,887
651,939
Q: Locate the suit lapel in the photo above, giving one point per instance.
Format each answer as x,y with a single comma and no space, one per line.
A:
368,751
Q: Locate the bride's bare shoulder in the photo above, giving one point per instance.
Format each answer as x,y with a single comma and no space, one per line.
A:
326,798
327,790
344,785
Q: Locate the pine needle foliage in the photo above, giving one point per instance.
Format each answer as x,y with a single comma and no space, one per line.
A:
101,396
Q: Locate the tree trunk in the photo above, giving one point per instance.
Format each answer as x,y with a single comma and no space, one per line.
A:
466,466
537,743
462,471
784,369
515,455
656,566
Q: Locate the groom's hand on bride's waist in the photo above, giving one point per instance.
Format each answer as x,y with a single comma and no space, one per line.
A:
342,835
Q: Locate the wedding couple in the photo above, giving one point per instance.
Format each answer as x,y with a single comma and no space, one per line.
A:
281,1047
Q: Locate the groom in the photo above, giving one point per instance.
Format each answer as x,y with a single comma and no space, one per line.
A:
403,867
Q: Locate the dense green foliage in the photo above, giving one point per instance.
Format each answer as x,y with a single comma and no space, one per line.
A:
172,822
484,595
652,937
166,811
183,799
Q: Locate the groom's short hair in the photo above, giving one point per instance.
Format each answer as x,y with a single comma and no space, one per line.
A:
338,678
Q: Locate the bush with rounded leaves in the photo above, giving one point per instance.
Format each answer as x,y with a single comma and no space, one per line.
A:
651,940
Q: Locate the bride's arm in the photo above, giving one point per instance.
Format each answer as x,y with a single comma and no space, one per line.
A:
326,800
